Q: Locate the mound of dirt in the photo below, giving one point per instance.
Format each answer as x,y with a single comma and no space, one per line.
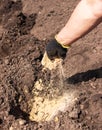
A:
71,93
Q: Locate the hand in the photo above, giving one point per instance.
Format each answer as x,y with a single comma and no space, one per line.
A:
55,50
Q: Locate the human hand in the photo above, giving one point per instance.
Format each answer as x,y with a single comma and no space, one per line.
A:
55,50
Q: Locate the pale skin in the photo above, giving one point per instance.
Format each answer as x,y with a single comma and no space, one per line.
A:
87,15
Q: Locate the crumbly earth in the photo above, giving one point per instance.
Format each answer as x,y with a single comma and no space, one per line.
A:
25,29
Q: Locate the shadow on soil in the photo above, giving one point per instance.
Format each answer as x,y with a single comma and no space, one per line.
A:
85,76
18,113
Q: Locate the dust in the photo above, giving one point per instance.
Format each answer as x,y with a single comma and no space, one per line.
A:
48,64
45,108
57,72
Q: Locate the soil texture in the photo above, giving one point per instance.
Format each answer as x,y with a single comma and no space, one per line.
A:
71,93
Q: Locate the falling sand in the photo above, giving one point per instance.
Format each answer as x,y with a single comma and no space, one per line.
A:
45,109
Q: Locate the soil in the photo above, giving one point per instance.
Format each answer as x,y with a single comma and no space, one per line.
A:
25,29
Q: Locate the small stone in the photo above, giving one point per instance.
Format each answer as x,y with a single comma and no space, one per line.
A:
82,107
88,118
6,61
26,91
92,85
20,99
94,50
74,114
11,128
56,119
22,122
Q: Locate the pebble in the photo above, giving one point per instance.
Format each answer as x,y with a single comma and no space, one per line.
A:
22,122
11,128
6,61
56,119
74,114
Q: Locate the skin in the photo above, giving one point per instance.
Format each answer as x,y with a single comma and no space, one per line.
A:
86,16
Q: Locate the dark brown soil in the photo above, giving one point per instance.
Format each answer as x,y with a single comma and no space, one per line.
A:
25,28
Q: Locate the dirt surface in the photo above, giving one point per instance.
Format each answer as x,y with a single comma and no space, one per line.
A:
25,28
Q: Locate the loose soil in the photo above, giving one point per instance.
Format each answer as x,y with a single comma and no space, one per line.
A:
25,29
